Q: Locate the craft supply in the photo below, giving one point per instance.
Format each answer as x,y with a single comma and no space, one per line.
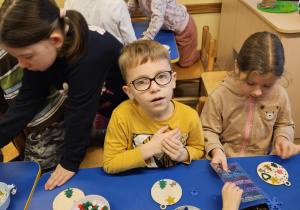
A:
194,192
273,173
187,208
261,206
66,198
268,3
273,203
166,192
3,195
240,178
281,7
5,191
91,202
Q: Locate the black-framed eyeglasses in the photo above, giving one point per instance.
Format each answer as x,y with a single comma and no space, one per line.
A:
144,83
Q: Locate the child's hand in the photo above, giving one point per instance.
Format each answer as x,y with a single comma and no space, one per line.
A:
231,195
175,149
143,38
154,146
285,148
59,177
218,156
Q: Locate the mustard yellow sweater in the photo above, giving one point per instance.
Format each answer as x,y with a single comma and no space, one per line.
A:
130,127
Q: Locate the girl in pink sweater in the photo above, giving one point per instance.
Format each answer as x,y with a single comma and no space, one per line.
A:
170,15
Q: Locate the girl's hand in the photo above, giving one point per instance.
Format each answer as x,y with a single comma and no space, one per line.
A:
285,148
218,156
231,195
143,38
174,149
58,177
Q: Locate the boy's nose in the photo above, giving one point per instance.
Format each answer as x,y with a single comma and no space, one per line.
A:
154,86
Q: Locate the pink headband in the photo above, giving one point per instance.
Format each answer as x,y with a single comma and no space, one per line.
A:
62,13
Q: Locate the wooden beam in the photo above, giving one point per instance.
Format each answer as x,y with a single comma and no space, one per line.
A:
202,8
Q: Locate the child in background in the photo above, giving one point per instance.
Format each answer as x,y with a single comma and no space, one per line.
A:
249,112
113,16
170,15
57,49
150,129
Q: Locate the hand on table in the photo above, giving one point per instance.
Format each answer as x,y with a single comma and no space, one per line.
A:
143,38
59,177
285,148
231,195
175,149
218,156
154,146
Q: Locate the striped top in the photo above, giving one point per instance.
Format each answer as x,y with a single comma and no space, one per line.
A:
10,82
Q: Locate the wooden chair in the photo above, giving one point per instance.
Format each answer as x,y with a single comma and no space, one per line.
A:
209,81
15,149
193,73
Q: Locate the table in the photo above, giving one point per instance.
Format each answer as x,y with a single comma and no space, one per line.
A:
131,189
24,176
164,37
240,19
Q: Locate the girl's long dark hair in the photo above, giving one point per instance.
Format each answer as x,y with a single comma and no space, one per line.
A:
26,22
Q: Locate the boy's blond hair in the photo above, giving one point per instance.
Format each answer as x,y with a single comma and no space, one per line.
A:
139,52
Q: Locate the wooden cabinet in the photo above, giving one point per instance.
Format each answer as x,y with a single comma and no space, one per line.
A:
240,19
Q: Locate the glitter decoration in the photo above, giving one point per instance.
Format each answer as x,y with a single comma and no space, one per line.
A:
240,178
162,184
274,174
69,193
166,194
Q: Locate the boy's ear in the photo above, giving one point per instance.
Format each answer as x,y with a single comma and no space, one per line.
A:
127,90
57,38
174,75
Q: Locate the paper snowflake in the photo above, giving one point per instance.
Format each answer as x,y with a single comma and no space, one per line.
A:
273,203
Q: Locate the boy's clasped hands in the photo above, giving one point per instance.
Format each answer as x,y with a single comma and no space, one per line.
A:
167,142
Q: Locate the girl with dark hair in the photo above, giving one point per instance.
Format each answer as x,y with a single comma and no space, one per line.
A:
57,49
250,112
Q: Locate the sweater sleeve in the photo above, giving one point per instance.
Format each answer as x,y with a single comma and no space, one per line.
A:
126,29
117,157
30,100
212,125
195,142
284,125
158,9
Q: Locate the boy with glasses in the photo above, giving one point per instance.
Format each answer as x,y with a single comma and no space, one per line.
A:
150,129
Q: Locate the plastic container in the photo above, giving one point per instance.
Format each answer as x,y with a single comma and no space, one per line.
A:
100,201
5,204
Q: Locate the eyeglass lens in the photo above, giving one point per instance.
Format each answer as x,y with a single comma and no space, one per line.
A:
162,78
